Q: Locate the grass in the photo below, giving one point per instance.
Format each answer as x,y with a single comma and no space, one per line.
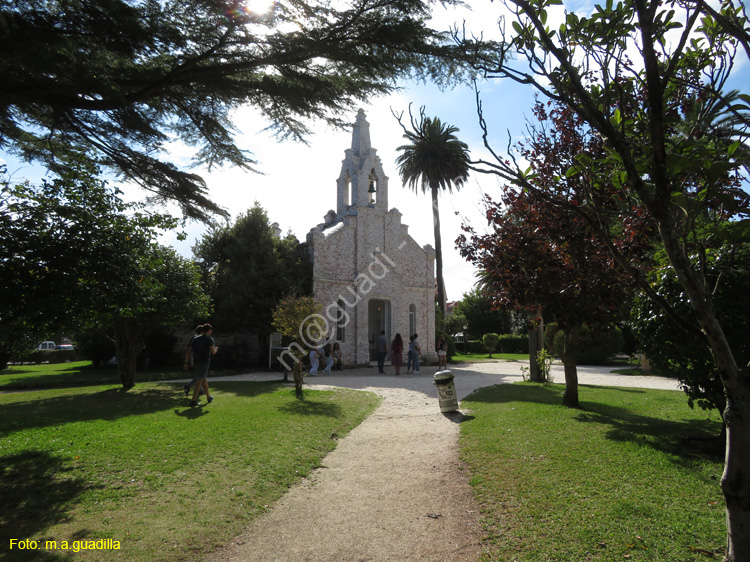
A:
80,373
167,481
633,475
482,357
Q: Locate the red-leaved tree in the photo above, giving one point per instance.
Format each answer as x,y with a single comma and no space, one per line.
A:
553,256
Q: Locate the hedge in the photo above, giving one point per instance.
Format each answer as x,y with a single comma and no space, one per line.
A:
508,343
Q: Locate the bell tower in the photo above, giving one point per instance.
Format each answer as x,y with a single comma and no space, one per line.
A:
362,182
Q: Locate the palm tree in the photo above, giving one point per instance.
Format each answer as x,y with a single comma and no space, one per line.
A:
719,119
434,159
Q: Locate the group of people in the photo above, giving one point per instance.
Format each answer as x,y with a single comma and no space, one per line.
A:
201,347
199,350
414,353
329,355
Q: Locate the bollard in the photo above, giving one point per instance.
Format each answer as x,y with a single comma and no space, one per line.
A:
446,389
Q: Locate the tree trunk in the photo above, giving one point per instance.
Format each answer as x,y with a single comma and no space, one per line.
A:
128,344
734,482
297,369
535,346
570,350
438,251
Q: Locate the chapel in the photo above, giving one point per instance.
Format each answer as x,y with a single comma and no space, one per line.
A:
368,272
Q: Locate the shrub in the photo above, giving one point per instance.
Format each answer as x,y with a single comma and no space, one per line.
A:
597,344
513,343
474,347
490,342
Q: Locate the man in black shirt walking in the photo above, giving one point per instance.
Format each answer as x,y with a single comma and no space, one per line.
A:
203,348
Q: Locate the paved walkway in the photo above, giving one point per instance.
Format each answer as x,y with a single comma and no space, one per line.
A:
394,488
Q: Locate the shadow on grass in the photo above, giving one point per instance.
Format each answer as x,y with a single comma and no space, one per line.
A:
309,407
192,413
686,439
457,417
36,490
108,404
519,392
29,378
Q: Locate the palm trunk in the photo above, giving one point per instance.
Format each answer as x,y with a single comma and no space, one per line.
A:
570,350
438,251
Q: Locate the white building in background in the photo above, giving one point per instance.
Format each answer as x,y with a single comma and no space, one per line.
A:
368,272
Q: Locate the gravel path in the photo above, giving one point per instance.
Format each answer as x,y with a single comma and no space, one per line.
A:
394,488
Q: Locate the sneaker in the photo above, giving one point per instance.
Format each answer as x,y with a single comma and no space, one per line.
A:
194,403
210,399
415,372
202,392
186,388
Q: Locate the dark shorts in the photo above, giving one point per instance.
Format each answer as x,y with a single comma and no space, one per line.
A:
201,370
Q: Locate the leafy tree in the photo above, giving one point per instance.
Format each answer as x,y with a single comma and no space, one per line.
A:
436,160
546,256
117,81
538,255
481,317
246,270
455,323
685,355
627,70
297,318
157,288
77,255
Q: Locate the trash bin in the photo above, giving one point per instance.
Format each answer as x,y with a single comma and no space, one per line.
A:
446,389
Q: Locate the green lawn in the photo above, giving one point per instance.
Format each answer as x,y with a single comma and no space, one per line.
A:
80,373
480,357
633,475
167,481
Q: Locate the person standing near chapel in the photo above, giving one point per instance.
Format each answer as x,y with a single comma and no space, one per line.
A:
328,355
410,355
397,353
442,351
338,358
417,353
203,349
382,348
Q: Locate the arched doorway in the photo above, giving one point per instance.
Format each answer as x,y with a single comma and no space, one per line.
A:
378,319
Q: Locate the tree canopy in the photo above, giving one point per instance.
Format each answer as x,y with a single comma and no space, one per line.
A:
246,270
75,255
482,316
539,255
118,81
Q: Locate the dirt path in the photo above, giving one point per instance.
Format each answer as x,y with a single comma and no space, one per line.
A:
393,489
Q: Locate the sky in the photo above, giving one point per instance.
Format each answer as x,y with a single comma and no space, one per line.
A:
297,186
